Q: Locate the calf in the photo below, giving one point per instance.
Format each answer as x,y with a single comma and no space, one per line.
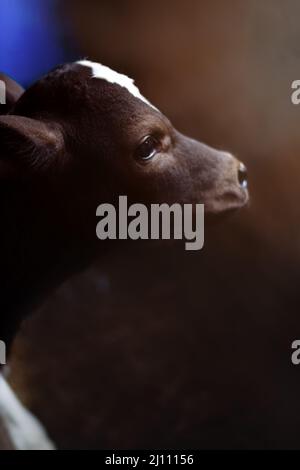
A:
80,136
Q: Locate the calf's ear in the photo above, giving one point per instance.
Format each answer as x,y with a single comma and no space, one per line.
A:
28,146
10,92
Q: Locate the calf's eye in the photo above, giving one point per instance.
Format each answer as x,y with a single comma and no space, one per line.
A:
149,147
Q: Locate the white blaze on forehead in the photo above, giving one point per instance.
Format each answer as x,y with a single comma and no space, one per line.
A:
105,73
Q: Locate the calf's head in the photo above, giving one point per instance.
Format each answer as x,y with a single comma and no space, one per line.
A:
84,134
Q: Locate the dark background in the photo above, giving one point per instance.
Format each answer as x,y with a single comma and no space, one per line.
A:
156,346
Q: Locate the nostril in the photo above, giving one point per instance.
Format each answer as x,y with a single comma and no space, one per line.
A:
242,175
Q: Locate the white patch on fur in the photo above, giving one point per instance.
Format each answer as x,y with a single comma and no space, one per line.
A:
24,430
101,71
